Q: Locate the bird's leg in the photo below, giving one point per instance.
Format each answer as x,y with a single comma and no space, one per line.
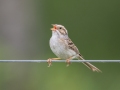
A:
49,61
68,61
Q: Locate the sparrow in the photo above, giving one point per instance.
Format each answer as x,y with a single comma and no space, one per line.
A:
63,47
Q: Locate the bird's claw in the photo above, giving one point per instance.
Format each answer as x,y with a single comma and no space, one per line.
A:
49,61
68,62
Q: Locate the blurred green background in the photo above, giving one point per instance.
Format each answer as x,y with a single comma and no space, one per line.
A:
93,25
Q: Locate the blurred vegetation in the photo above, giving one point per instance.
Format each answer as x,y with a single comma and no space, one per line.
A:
93,25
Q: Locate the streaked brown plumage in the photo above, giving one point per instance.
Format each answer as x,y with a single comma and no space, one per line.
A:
63,47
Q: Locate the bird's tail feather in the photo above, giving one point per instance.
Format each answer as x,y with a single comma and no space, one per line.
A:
90,66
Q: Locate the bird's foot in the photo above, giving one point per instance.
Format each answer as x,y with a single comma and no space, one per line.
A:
49,61
68,62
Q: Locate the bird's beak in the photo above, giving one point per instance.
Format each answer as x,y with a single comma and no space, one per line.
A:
54,27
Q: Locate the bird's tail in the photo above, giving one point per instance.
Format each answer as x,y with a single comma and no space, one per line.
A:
89,65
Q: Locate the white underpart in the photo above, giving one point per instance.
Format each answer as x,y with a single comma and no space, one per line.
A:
59,48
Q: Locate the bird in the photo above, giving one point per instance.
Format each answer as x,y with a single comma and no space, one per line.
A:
63,47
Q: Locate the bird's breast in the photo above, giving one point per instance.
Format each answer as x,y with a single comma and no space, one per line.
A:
60,48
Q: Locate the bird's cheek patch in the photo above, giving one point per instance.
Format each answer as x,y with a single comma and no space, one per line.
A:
62,31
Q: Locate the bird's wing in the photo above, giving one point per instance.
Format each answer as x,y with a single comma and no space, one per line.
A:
72,45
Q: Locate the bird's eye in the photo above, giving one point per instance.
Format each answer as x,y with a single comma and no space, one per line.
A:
60,27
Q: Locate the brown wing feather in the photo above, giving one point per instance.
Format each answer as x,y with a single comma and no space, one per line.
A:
72,45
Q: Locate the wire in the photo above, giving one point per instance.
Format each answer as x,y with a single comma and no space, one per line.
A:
39,61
